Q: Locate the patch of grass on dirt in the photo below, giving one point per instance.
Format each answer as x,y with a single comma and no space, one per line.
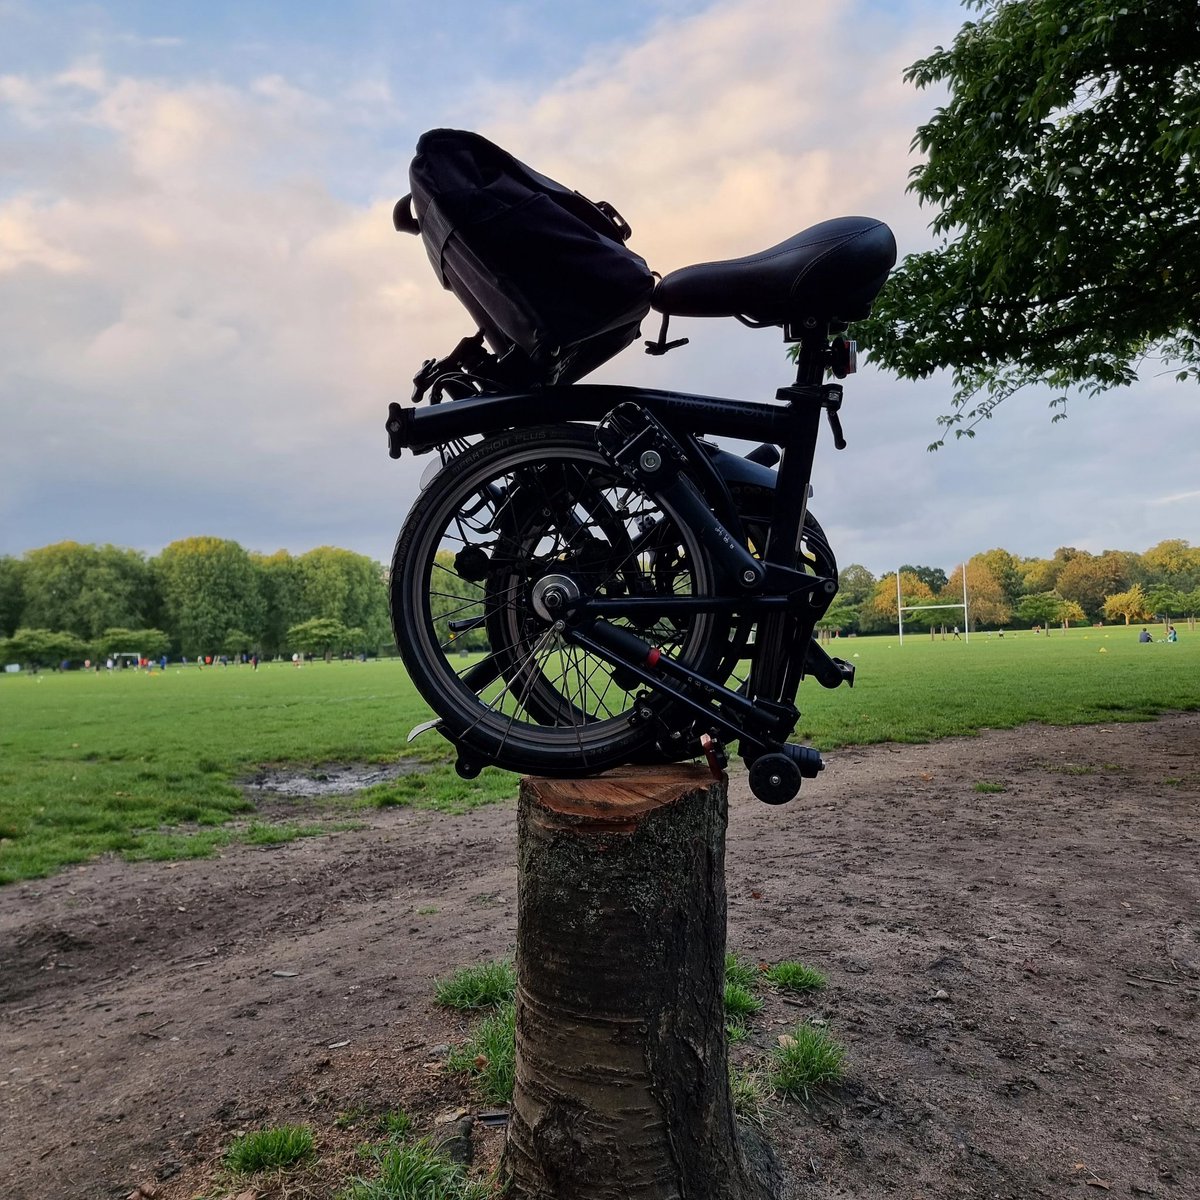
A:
416,1171
796,977
988,788
740,1003
271,1149
738,971
489,1056
805,1059
395,1124
751,1095
483,985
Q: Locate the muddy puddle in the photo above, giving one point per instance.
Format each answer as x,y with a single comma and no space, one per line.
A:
326,780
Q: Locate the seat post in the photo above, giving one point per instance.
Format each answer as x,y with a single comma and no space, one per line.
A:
812,355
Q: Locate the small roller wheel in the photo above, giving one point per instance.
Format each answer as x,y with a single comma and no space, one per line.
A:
774,778
467,768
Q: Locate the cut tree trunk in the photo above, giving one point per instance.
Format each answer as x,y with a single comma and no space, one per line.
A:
622,1086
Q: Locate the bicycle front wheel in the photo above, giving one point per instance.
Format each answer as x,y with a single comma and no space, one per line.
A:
521,515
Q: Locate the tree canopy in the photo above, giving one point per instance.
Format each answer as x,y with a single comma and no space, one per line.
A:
1064,168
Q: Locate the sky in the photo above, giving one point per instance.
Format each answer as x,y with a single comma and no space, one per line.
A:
205,311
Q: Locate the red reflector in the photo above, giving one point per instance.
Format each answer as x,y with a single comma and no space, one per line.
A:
653,657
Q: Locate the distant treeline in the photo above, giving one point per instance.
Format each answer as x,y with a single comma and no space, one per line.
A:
200,596
208,596
1162,583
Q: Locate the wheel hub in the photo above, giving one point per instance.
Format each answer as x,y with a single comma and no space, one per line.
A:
552,594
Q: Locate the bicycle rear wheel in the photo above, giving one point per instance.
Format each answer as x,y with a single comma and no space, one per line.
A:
518,516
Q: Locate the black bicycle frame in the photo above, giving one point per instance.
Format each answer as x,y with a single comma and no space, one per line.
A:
792,424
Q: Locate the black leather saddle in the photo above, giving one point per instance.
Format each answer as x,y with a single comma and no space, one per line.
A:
828,273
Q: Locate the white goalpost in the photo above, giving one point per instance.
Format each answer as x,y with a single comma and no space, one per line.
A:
902,608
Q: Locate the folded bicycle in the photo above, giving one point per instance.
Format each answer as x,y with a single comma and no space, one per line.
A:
587,579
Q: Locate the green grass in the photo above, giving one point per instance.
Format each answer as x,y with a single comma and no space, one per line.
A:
483,985
740,1003
751,1095
806,1059
990,788
147,765
489,1056
795,977
738,971
931,689
416,1171
270,1149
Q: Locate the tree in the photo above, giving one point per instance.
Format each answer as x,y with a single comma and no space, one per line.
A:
1174,562
1039,575
1041,608
1006,569
985,597
344,587
934,578
855,584
12,593
1064,168
280,587
86,589
1131,605
41,647
838,616
1071,612
151,643
1087,579
1164,602
209,586
237,641
320,635
880,612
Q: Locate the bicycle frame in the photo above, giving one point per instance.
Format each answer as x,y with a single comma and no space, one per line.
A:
778,600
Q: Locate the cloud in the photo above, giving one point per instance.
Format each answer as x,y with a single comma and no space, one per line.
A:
1177,498
207,310
735,128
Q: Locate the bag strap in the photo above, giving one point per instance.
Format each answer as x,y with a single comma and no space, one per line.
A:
402,216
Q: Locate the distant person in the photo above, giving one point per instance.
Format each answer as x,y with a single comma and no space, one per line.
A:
1144,636
1172,636
956,637
254,660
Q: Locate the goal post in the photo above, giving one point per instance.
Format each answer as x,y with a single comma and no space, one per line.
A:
902,608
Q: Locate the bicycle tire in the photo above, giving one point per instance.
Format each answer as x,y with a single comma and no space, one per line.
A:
490,527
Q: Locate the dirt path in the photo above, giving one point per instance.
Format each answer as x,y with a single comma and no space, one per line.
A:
1016,975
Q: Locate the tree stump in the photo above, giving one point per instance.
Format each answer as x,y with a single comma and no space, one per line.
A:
622,1085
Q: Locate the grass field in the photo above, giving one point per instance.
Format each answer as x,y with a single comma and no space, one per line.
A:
147,764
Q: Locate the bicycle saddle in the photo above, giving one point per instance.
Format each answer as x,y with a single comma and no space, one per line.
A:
831,271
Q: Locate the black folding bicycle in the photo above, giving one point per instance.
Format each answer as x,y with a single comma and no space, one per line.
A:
585,580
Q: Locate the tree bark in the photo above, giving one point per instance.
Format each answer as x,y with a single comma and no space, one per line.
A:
622,1086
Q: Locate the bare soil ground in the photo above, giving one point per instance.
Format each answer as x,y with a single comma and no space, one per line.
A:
1016,975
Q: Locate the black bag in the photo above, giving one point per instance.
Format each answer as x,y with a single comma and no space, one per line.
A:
543,271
